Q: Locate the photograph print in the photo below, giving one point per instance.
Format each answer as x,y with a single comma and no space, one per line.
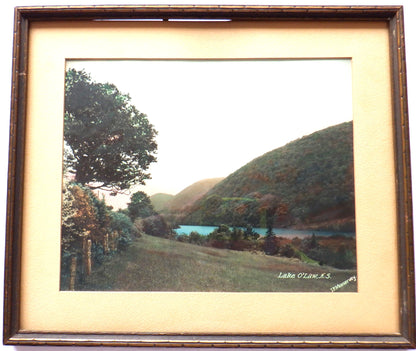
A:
208,176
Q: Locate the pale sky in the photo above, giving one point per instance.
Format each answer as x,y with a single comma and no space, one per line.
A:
214,116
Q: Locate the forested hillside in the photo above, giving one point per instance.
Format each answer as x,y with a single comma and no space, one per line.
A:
308,183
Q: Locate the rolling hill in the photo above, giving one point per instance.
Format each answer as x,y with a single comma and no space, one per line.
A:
308,183
161,201
185,198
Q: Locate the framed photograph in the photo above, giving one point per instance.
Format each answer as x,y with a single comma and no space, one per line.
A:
209,176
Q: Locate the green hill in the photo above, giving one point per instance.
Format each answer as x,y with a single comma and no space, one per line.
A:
192,193
308,183
161,201
172,204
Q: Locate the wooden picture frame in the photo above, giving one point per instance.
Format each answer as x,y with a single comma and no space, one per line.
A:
19,302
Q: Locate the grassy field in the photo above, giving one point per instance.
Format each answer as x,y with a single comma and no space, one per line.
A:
155,264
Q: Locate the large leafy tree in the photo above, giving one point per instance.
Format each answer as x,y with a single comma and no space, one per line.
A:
140,206
109,144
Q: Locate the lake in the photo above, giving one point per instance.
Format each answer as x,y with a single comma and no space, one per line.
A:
289,233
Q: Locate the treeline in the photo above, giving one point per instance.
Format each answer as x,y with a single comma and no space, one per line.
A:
257,210
254,210
337,251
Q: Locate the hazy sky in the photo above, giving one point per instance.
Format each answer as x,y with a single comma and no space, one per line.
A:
214,116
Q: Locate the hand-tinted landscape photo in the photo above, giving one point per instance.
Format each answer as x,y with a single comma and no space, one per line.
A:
209,176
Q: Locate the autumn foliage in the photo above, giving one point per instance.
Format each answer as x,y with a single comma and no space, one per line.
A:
91,232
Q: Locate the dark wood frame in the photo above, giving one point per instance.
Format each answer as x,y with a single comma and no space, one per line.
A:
392,15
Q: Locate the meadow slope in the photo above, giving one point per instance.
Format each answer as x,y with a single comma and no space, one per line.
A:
156,264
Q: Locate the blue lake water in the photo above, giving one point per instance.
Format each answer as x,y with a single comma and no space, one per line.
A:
205,230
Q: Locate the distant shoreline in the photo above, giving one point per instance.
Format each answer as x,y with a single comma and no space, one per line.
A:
281,232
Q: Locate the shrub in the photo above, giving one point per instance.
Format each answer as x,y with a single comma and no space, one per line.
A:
196,238
287,251
271,245
220,237
183,238
156,226
122,224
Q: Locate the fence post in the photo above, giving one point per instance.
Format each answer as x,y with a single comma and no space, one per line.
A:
73,273
114,237
88,265
106,248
